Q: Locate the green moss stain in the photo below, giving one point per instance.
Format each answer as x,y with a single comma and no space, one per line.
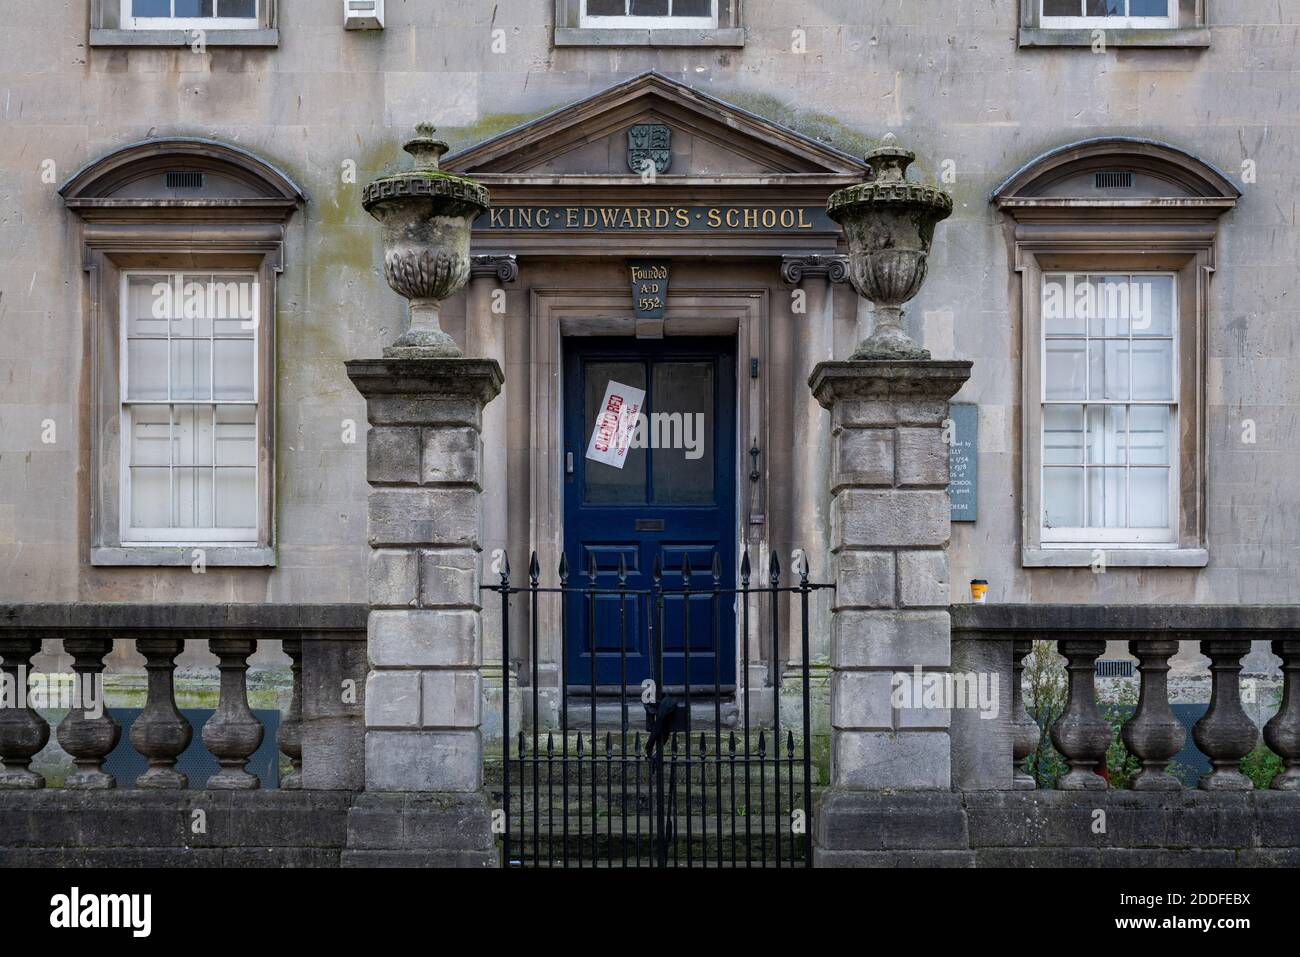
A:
819,126
494,124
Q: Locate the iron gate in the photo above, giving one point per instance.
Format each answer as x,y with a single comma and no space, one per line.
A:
635,776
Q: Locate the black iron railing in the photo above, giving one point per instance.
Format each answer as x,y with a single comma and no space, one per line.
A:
705,783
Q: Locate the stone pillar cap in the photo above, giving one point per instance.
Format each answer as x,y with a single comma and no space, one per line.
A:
478,378
888,379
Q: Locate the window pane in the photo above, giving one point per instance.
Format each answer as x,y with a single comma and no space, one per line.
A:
193,504
150,435
1060,314
190,312
193,8
692,8
1108,370
236,498
1106,489
605,484
1149,437
1063,435
1063,498
649,8
1104,8
606,8
237,8
146,369
150,8
191,369
1110,305
1064,376
233,302
681,422
1149,489
146,305
1153,305
192,435
236,435
233,369
1148,8
1062,8
1153,369
149,498
1107,441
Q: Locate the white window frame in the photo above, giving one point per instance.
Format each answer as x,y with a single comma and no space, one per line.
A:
1118,538
129,22
137,536
1110,23
629,22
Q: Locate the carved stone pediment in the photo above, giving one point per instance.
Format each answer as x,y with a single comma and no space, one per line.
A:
685,134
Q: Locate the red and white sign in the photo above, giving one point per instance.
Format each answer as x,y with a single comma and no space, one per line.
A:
615,424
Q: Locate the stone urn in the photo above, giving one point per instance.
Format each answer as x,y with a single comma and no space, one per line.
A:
889,224
426,216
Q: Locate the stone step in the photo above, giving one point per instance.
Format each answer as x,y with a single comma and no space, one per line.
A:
701,844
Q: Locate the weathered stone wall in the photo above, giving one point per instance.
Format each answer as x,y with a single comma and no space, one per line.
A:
947,77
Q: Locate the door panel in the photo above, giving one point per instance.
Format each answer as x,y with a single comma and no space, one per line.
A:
673,497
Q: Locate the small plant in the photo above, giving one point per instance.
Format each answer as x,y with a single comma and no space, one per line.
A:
1045,689
1260,765
1121,766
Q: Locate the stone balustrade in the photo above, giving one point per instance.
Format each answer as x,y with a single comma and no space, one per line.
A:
992,754
321,733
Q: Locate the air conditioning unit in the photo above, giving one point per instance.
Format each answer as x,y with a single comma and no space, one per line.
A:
363,14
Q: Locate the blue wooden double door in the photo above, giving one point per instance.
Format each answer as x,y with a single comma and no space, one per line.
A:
671,497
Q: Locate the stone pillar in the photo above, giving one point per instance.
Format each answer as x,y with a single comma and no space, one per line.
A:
889,538
423,697
812,342
485,335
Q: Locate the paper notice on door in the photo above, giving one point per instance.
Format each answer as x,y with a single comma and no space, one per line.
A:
615,424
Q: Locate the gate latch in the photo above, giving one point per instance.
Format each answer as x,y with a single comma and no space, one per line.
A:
663,718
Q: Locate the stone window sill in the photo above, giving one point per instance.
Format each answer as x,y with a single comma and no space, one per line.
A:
1190,37
237,556
183,38
587,37
1115,557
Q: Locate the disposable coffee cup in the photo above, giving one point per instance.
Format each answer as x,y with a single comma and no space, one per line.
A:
979,590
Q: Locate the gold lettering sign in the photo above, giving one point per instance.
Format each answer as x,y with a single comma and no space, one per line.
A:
624,218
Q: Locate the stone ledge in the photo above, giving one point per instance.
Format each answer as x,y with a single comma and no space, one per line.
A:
190,620
1186,37
103,37
1055,829
587,37
1269,621
129,822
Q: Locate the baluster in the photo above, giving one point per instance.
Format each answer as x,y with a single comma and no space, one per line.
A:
161,732
1225,734
1080,734
1282,733
1024,729
1153,734
89,740
23,732
289,736
233,733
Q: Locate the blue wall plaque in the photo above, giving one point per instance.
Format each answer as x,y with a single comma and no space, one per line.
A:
963,463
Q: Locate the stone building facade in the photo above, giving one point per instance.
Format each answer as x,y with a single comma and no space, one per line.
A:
1134,451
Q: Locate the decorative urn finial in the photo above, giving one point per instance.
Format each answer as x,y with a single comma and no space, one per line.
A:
889,224
426,216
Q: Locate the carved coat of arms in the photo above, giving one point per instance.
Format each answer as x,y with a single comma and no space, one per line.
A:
649,143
